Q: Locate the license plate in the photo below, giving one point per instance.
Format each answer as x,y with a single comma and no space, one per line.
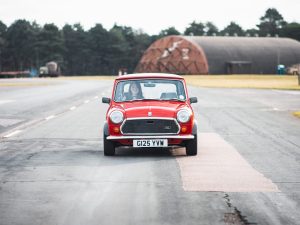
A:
150,143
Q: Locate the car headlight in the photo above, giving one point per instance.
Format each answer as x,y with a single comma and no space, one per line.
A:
183,116
116,116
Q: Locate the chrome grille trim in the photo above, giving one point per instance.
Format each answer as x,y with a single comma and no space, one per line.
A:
184,137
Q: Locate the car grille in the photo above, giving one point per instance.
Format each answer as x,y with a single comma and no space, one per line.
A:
150,126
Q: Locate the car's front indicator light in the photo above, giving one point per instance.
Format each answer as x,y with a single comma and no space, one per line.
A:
116,117
183,116
116,130
183,129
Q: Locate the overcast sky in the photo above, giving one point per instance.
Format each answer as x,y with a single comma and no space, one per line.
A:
151,16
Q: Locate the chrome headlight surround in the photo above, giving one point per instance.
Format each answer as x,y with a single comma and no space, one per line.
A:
183,115
116,117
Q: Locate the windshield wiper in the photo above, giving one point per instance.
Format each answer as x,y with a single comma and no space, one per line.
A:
151,99
172,99
139,99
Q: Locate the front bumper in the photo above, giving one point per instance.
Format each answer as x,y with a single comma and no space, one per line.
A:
182,137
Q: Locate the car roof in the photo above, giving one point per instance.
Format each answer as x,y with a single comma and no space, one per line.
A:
149,75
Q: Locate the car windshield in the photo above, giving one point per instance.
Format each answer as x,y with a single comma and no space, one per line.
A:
149,89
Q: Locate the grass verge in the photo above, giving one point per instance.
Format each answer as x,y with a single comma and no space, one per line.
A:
24,84
244,81
225,81
282,82
106,77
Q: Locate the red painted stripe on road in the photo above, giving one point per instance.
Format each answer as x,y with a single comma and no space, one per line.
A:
219,167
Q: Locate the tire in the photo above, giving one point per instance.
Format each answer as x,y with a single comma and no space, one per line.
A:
109,147
191,146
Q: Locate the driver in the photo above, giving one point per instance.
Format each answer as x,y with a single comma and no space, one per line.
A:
135,91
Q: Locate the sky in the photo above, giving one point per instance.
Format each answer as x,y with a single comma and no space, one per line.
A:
150,16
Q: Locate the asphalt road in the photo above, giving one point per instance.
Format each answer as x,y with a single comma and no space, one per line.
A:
52,168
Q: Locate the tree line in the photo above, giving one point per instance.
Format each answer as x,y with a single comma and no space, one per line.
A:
25,45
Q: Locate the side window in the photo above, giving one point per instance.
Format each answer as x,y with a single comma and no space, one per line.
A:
180,90
119,91
122,90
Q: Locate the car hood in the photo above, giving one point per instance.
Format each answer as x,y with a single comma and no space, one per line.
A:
155,108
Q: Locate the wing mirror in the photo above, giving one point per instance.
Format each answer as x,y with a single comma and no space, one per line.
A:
193,100
106,100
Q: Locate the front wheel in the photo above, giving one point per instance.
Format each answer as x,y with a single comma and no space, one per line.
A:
191,146
109,147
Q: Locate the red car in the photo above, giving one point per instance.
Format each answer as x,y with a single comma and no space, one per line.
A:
150,110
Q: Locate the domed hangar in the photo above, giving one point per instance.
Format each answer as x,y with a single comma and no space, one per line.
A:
219,55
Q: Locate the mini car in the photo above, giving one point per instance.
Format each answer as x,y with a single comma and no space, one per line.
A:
150,110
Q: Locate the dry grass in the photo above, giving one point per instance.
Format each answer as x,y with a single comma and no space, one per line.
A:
245,81
48,81
225,81
222,81
106,77
24,84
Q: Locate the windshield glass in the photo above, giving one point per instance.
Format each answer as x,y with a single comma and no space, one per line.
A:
149,89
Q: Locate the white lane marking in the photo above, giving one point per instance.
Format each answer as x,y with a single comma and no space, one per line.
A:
288,92
272,109
279,110
73,108
219,167
86,101
13,133
50,117
6,101
96,97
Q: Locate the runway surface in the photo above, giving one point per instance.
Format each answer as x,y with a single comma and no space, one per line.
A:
52,168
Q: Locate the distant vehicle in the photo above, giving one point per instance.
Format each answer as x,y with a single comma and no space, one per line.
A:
294,69
50,70
152,111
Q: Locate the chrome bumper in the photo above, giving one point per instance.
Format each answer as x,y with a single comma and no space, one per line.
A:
151,137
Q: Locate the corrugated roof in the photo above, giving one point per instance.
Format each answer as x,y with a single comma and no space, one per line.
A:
264,53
